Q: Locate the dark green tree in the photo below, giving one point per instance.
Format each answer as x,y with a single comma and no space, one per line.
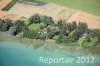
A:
13,30
35,19
19,25
1,23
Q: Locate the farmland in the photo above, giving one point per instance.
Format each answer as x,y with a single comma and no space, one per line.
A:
48,9
6,5
89,6
57,12
55,8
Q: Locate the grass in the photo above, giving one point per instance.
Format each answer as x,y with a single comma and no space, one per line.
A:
9,5
25,20
34,26
81,41
90,6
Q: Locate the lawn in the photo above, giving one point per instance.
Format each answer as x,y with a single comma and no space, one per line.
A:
34,26
90,6
25,20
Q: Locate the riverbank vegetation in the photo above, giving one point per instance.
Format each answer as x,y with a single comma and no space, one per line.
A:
39,27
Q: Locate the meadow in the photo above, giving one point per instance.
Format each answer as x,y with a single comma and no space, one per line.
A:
89,6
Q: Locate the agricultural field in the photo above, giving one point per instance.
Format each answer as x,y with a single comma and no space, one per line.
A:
5,14
58,10
89,6
50,9
3,3
9,5
91,20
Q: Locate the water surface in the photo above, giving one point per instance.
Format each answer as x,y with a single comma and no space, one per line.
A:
17,54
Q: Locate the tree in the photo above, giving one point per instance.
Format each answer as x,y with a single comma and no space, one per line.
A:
19,25
95,42
74,25
49,21
5,24
35,19
82,27
42,36
60,23
88,38
1,24
59,40
50,34
8,22
76,35
95,33
25,28
13,30
4,27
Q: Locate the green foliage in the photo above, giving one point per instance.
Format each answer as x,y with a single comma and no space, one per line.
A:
42,36
59,40
26,20
1,24
55,37
81,41
34,26
13,30
19,25
43,27
35,18
50,34
82,27
5,24
76,35
88,39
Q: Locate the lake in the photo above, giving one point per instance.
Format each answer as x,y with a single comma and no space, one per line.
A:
18,54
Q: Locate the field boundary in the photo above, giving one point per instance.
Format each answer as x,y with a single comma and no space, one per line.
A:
9,5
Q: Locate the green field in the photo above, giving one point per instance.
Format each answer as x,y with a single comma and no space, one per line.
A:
90,6
25,20
34,26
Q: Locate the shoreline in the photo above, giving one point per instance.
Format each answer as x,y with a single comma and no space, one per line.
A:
4,36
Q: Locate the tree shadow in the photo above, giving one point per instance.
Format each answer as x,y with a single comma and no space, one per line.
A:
36,3
39,3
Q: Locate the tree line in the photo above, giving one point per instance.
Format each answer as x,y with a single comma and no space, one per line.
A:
61,32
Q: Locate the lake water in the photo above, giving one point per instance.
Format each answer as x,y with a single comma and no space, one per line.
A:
17,54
